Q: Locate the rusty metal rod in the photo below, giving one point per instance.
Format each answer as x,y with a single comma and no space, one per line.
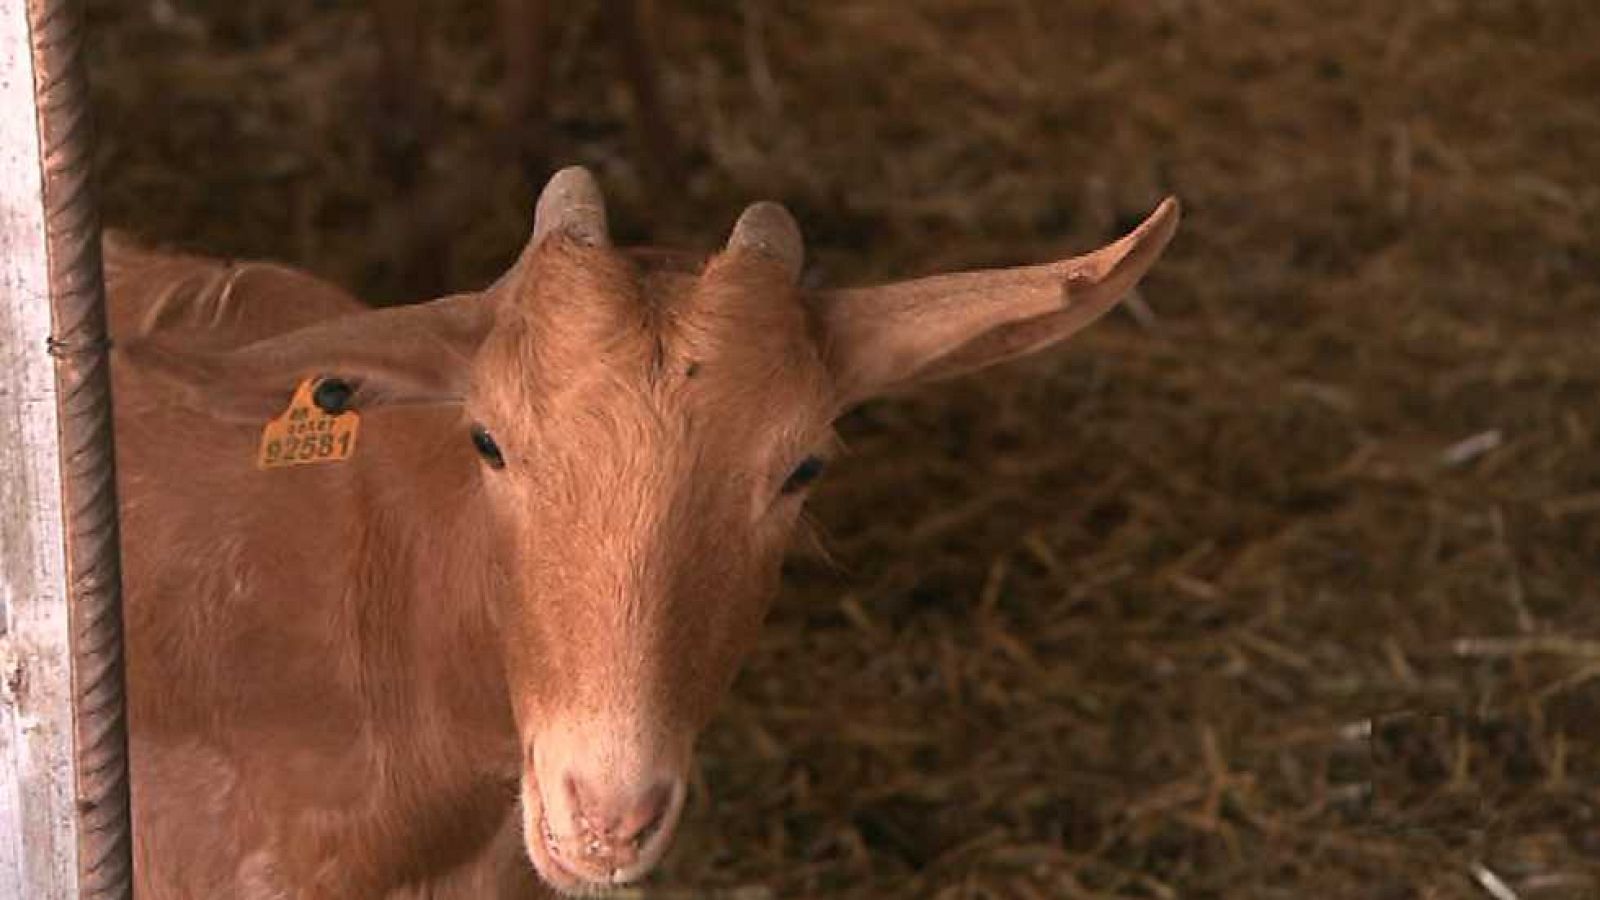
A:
79,346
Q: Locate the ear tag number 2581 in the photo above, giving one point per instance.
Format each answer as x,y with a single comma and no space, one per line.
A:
307,434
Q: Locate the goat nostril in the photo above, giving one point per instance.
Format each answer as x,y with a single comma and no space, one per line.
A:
574,792
651,828
650,816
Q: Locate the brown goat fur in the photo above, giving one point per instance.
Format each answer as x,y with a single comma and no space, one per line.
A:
408,673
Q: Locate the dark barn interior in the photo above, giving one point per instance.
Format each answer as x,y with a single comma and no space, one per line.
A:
1278,583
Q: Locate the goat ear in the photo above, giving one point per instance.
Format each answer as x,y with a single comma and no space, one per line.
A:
406,355
880,339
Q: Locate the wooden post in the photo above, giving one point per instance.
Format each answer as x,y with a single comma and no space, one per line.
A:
64,831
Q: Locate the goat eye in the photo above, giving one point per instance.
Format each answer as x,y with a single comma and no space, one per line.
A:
487,448
804,474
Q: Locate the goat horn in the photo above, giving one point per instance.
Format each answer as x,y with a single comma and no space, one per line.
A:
571,203
767,228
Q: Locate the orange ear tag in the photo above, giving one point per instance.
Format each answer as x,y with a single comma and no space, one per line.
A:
307,434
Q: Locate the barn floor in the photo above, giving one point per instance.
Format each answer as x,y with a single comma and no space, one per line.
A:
1285,587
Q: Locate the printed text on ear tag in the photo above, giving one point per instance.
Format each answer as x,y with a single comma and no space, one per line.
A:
307,434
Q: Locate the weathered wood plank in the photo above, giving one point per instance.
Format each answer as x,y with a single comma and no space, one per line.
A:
38,839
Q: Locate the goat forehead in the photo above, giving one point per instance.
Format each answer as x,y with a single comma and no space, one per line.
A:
594,353
587,305
666,368
670,431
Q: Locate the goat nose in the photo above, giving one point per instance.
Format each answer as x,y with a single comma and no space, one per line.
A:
616,827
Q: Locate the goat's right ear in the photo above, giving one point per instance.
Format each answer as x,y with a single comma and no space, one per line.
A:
405,355
880,339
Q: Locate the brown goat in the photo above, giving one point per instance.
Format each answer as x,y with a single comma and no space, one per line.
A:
493,633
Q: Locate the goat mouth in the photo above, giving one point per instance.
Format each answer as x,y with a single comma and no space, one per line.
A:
537,839
540,842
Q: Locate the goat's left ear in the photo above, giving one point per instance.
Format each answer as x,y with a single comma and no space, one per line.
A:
880,339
